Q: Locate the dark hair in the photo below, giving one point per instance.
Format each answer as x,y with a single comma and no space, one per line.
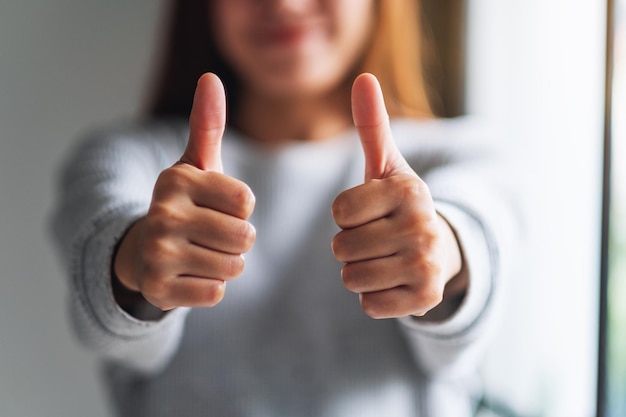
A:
187,53
395,57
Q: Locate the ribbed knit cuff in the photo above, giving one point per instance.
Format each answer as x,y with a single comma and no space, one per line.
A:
93,272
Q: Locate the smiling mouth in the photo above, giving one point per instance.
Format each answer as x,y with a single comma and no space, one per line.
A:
287,35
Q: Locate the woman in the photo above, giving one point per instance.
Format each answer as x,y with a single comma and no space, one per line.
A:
266,220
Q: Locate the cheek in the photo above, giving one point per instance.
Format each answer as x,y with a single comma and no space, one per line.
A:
226,21
354,23
353,32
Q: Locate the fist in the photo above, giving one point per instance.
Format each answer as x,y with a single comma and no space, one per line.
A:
398,252
191,241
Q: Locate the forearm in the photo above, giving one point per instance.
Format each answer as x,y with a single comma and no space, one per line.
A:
104,187
98,320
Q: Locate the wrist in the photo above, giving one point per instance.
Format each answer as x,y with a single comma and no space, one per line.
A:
133,302
123,277
453,257
125,258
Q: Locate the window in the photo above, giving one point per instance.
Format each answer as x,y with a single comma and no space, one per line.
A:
615,365
536,69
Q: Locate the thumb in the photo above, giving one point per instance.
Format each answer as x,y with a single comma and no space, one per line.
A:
206,125
382,157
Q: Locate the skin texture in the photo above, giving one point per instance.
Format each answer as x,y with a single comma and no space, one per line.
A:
190,242
398,253
295,59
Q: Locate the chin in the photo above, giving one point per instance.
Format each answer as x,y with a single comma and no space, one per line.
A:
298,84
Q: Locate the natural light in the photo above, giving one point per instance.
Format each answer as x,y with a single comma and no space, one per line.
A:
617,250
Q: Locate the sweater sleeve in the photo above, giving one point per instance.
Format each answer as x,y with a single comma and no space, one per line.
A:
474,187
104,186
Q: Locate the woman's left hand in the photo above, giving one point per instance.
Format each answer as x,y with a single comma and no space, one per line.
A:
399,254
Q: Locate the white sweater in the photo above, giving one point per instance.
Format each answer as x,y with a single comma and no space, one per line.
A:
288,339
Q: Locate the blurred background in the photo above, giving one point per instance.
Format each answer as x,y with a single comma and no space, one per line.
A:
535,69
65,66
616,262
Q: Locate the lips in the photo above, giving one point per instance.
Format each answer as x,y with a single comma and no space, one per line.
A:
286,35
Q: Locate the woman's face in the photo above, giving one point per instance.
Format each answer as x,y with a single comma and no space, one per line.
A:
292,48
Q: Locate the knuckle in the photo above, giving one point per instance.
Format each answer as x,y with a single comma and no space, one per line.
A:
156,253
163,182
428,267
337,245
245,234
215,293
429,295
339,209
411,188
176,177
243,198
157,291
424,264
232,266
349,278
162,218
371,307
413,222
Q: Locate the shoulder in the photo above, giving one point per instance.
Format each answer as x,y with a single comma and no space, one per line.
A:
459,129
434,143
146,133
456,135
122,150
113,143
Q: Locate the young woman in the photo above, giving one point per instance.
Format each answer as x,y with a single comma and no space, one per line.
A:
236,268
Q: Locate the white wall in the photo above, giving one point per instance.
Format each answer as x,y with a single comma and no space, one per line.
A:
536,67
65,65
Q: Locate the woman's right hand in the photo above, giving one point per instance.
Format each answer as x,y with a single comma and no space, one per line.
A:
192,240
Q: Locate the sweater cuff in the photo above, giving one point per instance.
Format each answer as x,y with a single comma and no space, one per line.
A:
95,272
476,256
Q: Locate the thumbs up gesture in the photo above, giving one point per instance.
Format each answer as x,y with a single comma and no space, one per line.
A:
399,254
191,241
